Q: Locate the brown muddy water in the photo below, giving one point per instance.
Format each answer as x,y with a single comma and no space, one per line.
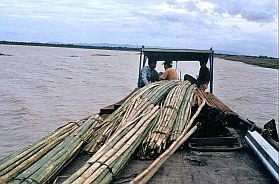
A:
42,88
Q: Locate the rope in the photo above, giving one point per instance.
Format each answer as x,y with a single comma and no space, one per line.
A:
102,163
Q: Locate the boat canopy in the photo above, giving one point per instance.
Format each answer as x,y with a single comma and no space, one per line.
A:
176,54
160,54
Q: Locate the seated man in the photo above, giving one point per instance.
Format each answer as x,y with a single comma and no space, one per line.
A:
170,73
204,75
148,73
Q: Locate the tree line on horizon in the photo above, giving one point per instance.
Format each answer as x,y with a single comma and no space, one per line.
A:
107,47
70,45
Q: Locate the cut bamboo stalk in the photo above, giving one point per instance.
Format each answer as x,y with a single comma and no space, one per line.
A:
157,90
50,163
157,141
132,142
99,155
152,169
105,147
116,167
17,158
28,162
95,157
184,113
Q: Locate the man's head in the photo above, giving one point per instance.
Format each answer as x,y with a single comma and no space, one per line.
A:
167,64
152,63
203,61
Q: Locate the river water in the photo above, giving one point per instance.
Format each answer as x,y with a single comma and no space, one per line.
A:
42,88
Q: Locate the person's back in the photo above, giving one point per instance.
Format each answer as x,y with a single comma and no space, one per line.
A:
170,73
148,73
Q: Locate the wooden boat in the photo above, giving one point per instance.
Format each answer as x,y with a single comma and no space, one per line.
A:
229,149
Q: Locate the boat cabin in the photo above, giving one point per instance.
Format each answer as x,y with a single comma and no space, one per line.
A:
177,55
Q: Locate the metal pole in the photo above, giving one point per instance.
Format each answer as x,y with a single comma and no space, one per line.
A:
211,71
139,77
180,75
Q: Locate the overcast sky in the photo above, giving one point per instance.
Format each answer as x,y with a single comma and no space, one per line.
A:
240,26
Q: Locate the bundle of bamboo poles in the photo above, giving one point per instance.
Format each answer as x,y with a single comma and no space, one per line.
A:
212,101
109,125
16,163
38,159
171,121
111,122
107,161
135,124
186,133
184,113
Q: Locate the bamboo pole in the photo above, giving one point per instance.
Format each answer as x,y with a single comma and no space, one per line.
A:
153,93
107,150
184,113
112,121
28,162
117,166
50,163
104,155
157,140
114,139
151,170
15,159
129,147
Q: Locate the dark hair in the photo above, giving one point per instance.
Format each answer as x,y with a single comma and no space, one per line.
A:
168,62
203,60
151,60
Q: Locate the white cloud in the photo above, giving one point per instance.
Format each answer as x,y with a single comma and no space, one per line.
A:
170,23
251,10
206,6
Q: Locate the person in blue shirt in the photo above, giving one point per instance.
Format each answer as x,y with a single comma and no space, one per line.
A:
148,73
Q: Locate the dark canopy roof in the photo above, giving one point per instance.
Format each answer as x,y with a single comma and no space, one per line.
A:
176,54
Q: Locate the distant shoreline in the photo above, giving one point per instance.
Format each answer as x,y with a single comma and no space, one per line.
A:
71,46
262,61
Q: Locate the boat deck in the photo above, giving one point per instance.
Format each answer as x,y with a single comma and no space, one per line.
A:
205,167
189,166
192,167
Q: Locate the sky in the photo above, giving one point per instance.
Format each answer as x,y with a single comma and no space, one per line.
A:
238,26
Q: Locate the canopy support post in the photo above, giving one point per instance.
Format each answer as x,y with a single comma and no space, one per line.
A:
139,77
211,57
